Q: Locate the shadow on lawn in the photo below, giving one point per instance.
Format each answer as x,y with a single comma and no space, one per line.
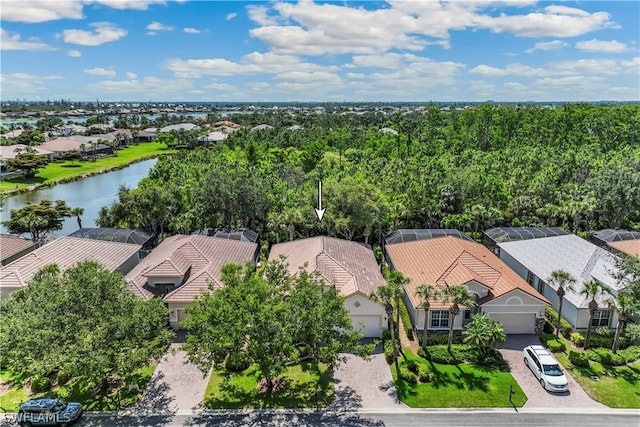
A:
293,418
460,380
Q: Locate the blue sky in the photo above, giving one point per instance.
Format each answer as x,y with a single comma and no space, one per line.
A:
251,51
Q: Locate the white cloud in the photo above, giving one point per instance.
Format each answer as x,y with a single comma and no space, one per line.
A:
230,16
157,26
260,14
250,64
127,4
552,45
102,72
74,53
220,86
13,42
594,45
104,32
21,85
131,75
190,30
515,69
40,10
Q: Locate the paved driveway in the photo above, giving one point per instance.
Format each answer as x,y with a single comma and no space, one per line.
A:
364,384
537,396
176,385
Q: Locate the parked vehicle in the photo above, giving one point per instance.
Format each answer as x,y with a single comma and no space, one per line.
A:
546,368
48,412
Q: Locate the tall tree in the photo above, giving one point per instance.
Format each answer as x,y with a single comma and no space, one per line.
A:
38,219
387,296
592,289
273,319
103,330
27,162
426,293
564,282
626,306
458,296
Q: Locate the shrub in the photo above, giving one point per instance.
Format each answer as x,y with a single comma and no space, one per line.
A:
605,356
407,376
577,339
423,374
412,365
578,358
386,335
630,354
388,352
406,320
601,340
552,317
548,327
440,338
554,345
40,383
491,359
237,362
63,376
440,354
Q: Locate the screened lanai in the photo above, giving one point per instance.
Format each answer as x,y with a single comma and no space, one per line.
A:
496,235
411,234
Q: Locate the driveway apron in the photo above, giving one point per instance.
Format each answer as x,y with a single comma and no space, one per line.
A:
537,396
365,384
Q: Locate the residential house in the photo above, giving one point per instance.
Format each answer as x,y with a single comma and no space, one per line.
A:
534,260
448,261
13,247
183,267
349,266
8,152
215,137
67,252
493,236
179,127
617,241
261,127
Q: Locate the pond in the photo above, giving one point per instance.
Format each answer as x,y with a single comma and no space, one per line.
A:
90,193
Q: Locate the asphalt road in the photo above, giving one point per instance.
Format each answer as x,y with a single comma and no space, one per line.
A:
404,417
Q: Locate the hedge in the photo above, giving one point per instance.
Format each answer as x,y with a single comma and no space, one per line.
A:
407,376
441,338
552,316
630,354
578,358
406,320
605,356
388,352
423,373
440,354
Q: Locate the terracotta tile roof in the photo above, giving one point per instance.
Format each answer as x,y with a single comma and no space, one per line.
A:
449,261
66,252
202,256
350,266
630,247
13,245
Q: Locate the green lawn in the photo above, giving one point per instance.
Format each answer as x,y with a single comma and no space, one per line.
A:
459,386
61,171
616,386
79,391
240,389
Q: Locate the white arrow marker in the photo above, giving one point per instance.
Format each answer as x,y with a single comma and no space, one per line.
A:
319,210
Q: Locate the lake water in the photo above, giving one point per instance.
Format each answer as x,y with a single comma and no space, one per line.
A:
90,193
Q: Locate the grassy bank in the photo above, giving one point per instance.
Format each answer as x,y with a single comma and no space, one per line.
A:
64,171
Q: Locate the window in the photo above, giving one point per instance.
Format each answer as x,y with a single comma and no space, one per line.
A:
467,314
601,318
531,278
541,286
440,319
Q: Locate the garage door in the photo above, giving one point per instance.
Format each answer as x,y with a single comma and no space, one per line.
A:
516,323
370,326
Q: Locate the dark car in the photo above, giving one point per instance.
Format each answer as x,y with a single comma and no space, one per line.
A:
48,412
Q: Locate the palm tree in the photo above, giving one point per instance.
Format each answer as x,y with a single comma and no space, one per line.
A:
426,294
626,306
458,296
591,289
77,212
386,296
564,281
292,217
483,332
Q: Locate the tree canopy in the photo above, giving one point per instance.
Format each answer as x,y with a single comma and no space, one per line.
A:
27,162
274,319
83,320
38,219
574,166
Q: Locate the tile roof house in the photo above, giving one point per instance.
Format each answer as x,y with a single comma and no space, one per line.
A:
66,252
349,266
182,267
629,247
13,247
449,261
534,260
